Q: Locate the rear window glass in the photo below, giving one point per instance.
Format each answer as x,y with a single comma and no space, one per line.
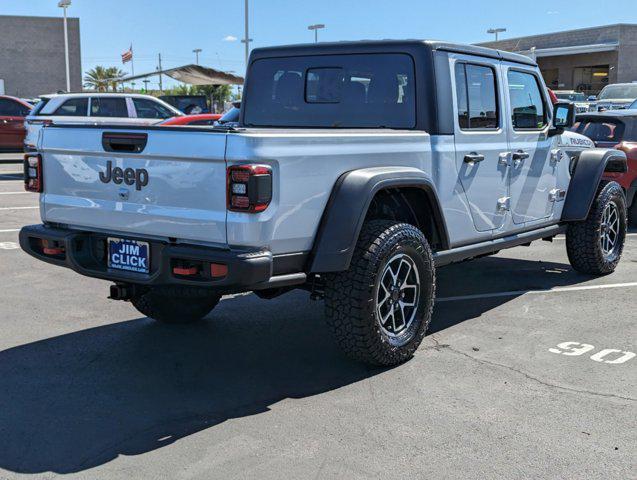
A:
74,107
39,106
109,107
353,91
600,130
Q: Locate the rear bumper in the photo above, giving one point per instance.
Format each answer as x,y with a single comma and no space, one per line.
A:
85,253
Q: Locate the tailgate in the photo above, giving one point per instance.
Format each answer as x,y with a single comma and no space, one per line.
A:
155,181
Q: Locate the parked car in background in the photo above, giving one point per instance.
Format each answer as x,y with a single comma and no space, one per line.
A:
618,130
231,117
578,98
12,114
615,97
202,119
188,104
111,108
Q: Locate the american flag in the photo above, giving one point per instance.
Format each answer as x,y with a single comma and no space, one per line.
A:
127,56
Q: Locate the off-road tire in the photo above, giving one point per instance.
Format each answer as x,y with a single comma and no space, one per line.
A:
583,243
175,304
351,296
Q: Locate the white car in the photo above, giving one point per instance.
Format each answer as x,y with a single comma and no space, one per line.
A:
578,98
97,108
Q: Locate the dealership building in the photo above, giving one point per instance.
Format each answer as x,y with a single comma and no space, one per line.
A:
586,59
32,55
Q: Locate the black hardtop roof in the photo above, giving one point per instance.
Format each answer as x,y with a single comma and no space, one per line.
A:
377,46
620,115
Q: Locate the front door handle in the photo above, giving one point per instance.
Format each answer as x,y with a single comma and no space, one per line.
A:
473,157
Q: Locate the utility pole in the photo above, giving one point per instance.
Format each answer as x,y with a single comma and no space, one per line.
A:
197,51
146,82
161,88
64,4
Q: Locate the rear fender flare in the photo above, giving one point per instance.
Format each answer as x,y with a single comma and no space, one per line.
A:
347,207
589,170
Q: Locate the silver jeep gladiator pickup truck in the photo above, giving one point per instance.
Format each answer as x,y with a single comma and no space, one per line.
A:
355,171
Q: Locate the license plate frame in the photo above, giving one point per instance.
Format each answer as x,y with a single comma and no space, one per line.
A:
128,255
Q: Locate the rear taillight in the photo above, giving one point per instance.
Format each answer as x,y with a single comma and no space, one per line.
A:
249,188
33,172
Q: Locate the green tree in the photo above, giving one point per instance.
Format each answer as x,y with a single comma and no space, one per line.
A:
102,78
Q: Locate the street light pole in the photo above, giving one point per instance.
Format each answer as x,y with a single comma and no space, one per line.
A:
316,27
64,4
496,31
197,51
246,36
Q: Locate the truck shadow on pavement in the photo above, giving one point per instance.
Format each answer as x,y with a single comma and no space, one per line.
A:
80,400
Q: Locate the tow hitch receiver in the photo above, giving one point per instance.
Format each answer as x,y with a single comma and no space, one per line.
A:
121,292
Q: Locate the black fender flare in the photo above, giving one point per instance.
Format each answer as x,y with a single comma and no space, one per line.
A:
589,170
347,207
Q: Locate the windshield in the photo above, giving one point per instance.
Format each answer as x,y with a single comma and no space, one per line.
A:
231,116
571,96
600,130
624,92
337,91
188,104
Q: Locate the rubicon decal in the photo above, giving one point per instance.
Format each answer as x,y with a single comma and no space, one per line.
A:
130,176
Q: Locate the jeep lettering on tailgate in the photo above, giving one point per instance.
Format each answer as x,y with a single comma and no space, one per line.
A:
137,176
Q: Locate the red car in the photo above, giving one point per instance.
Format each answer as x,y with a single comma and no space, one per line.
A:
615,129
12,131
201,119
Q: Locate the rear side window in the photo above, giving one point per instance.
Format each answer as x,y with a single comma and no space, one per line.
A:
477,97
527,105
109,107
352,91
149,109
73,107
11,108
601,130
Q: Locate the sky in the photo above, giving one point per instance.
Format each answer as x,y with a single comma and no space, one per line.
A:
176,27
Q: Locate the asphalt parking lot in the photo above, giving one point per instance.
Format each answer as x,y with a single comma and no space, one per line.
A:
90,388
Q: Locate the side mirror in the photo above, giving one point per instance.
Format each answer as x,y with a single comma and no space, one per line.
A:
563,115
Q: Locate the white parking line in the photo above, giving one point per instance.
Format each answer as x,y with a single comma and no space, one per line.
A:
15,193
10,230
514,293
18,208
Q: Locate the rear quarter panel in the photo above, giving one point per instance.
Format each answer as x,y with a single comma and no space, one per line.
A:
306,166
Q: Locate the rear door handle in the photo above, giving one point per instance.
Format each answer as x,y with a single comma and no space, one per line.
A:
473,157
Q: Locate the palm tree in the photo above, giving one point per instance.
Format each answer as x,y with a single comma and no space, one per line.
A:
97,79
101,78
114,76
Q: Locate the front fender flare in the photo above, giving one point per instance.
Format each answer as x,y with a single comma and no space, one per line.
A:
588,173
347,207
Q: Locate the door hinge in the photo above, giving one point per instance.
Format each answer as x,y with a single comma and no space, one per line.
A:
504,204
504,159
556,155
557,195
